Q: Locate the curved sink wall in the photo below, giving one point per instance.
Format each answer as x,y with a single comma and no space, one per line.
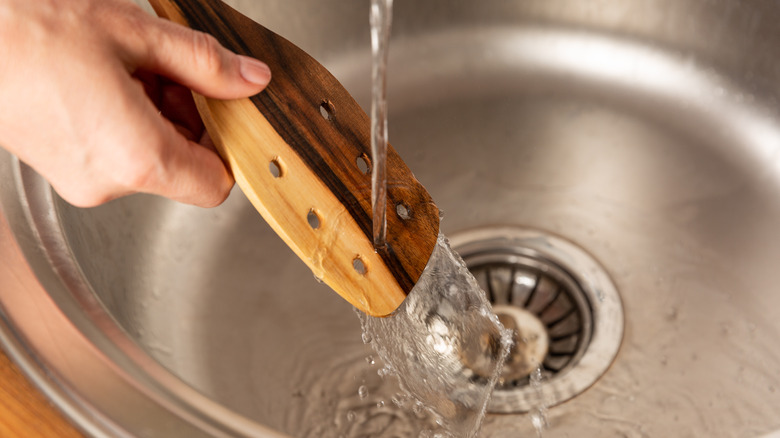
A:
645,132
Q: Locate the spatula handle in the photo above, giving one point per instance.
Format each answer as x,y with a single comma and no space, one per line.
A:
296,149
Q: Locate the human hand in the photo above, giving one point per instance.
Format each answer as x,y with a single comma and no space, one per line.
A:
94,95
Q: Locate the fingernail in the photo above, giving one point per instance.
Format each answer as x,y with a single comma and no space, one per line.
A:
254,71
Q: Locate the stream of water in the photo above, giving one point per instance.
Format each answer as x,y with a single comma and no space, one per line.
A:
381,18
444,344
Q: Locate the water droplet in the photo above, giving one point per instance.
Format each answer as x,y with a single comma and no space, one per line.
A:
539,421
387,370
351,416
452,290
370,360
367,338
363,392
380,404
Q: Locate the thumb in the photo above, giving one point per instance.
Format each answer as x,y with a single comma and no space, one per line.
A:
197,61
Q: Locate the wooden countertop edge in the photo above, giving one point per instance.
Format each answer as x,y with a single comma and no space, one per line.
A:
25,412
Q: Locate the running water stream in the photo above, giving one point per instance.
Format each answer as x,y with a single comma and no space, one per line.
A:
380,19
444,343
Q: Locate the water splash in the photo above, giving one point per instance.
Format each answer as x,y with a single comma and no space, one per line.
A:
444,344
539,412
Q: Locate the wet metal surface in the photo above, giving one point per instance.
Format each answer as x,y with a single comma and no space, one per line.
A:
645,132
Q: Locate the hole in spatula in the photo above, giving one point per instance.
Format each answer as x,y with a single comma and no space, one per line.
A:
363,164
359,265
276,168
327,110
314,219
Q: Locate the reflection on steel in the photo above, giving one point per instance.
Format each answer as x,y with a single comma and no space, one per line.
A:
647,134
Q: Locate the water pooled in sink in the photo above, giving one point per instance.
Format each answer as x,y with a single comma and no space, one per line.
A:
354,397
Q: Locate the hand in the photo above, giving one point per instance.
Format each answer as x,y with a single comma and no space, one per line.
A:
94,95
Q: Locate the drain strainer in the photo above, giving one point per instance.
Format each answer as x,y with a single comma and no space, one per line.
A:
563,308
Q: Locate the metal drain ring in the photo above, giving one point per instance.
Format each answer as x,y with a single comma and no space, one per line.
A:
570,294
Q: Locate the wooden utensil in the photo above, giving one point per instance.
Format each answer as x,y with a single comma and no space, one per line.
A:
300,151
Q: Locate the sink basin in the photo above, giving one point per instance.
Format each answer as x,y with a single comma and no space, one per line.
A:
644,133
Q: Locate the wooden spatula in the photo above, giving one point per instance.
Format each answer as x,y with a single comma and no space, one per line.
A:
300,151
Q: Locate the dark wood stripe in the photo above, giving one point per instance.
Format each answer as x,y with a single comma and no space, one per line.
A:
328,147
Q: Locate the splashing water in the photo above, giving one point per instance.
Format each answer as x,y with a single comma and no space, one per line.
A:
539,412
444,343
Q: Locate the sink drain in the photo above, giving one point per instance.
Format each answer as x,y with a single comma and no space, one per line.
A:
565,312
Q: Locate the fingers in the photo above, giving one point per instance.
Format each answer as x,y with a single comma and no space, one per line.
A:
94,130
186,172
170,163
139,150
197,61
197,175
177,168
178,106
174,102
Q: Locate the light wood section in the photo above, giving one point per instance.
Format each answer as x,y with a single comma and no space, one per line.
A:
318,157
249,145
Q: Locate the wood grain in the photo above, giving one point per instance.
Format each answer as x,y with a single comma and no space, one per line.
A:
24,411
309,123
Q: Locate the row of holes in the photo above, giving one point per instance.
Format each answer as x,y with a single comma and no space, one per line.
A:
277,169
327,110
314,223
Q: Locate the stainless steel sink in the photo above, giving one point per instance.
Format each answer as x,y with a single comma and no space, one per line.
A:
645,133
